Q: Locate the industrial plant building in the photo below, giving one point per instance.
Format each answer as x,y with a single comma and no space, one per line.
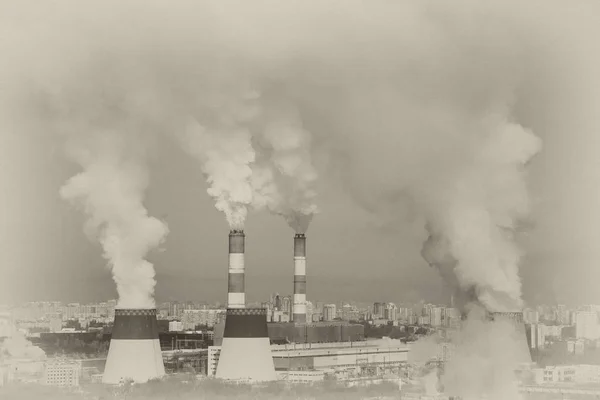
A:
342,359
315,332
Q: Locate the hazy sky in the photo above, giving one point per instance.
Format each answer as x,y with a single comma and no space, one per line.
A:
352,253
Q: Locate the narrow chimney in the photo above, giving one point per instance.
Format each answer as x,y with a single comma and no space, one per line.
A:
236,297
134,352
299,313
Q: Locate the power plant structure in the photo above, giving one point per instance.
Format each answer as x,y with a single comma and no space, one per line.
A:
245,349
300,329
520,333
134,352
299,307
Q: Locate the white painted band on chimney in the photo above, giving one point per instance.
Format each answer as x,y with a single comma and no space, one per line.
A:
299,298
236,263
236,300
299,308
299,265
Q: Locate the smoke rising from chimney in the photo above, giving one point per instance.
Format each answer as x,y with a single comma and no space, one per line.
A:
225,153
110,191
284,173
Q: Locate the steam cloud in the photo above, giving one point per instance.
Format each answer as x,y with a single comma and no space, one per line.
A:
284,175
110,190
472,220
16,345
224,150
485,359
254,154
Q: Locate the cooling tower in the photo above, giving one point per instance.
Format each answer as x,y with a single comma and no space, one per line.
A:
520,334
299,279
246,348
134,352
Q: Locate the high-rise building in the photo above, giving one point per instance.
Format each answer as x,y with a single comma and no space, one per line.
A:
378,310
309,311
390,312
531,316
329,312
537,337
286,305
436,316
586,325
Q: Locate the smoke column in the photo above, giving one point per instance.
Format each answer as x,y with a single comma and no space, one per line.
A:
223,147
110,191
472,220
284,175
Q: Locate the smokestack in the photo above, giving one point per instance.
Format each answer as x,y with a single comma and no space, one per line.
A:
299,279
520,333
236,295
134,352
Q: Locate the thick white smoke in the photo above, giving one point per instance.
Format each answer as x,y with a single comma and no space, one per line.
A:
222,144
485,361
16,346
110,190
284,175
474,216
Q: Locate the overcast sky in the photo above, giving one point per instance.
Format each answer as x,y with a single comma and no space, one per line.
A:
46,256
462,62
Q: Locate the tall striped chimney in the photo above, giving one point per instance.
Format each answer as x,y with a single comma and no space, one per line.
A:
236,296
134,352
299,279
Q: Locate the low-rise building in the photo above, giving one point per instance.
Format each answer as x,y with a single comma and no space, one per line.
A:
175,326
62,373
567,374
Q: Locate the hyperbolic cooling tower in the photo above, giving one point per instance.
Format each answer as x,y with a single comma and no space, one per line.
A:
520,334
299,278
134,352
246,349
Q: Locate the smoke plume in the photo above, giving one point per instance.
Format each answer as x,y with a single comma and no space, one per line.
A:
222,145
284,175
472,219
17,346
485,360
110,190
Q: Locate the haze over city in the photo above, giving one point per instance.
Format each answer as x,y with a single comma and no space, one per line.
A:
295,192
367,237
